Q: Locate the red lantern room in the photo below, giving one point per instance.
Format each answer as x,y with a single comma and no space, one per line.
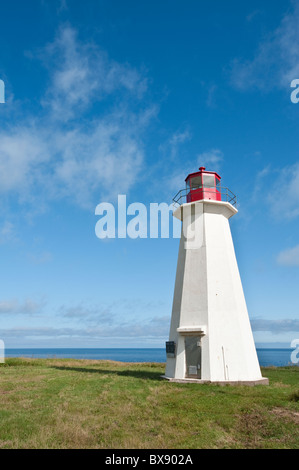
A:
203,185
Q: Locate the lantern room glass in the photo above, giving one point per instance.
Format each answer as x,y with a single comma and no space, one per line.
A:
196,182
208,181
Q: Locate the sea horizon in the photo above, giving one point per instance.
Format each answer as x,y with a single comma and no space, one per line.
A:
278,357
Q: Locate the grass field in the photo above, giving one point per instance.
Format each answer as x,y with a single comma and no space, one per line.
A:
62,403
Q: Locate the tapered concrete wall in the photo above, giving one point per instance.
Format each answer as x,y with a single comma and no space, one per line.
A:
209,300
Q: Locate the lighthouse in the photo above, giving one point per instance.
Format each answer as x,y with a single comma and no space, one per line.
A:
210,339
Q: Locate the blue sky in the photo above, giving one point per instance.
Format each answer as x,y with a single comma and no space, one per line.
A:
111,97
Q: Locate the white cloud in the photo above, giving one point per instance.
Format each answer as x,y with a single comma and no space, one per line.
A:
13,307
171,148
179,137
108,156
289,257
22,152
260,183
276,61
212,159
157,327
284,193
275,326
89,314
7,232
67,152
252,15
83,74
40,258
212,96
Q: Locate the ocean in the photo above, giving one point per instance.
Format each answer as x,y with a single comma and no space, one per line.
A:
267,357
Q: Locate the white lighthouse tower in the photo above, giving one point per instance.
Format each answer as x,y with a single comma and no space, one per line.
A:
210,336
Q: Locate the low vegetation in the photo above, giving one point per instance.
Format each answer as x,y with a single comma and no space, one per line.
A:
62,403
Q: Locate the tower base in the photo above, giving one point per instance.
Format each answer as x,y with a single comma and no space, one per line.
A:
252,383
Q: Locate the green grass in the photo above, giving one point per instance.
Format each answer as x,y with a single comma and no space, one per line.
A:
62,403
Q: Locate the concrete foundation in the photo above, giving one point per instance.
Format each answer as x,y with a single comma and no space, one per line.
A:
252,383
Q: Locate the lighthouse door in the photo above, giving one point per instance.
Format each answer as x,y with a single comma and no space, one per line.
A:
193,357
